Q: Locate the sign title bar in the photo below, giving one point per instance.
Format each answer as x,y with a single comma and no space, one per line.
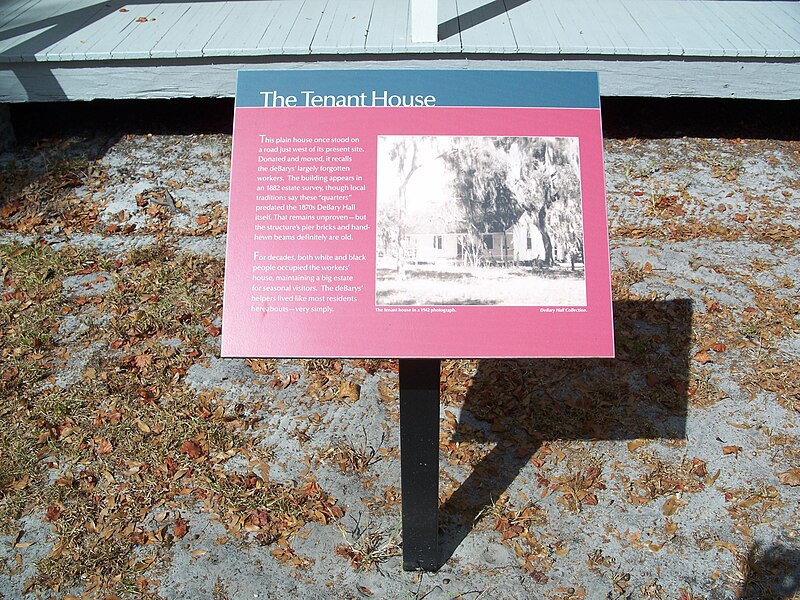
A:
395,89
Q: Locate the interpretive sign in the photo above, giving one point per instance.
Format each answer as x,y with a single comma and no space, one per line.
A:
415,214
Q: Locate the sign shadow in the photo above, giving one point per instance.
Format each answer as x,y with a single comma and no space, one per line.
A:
518,406
40,30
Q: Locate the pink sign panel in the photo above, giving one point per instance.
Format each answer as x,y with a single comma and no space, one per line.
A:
426,214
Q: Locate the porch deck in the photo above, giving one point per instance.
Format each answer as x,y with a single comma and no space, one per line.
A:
85,49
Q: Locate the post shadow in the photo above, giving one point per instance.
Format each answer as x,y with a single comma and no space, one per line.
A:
773,574
642,393
475,17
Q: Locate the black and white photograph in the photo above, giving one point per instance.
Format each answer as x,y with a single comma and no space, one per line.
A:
478,220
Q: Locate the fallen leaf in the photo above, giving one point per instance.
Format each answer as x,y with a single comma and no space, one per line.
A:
634,445
349,391
192,448
10,374
702,357
719,347
180,528
731,450
790,477
671,528
104,446
518,550
139,538
709,481
729,546
143,360
699,467
20,484
671,505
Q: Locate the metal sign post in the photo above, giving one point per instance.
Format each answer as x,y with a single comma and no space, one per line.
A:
419,462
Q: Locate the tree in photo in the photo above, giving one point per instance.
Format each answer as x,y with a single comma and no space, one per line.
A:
404,155
544,176
480,185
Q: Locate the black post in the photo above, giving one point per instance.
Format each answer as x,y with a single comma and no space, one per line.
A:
419,462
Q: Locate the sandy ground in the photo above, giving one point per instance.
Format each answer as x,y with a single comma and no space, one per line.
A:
671,472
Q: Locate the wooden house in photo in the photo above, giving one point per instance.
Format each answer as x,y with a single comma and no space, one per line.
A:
434,248
521,243
527,244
